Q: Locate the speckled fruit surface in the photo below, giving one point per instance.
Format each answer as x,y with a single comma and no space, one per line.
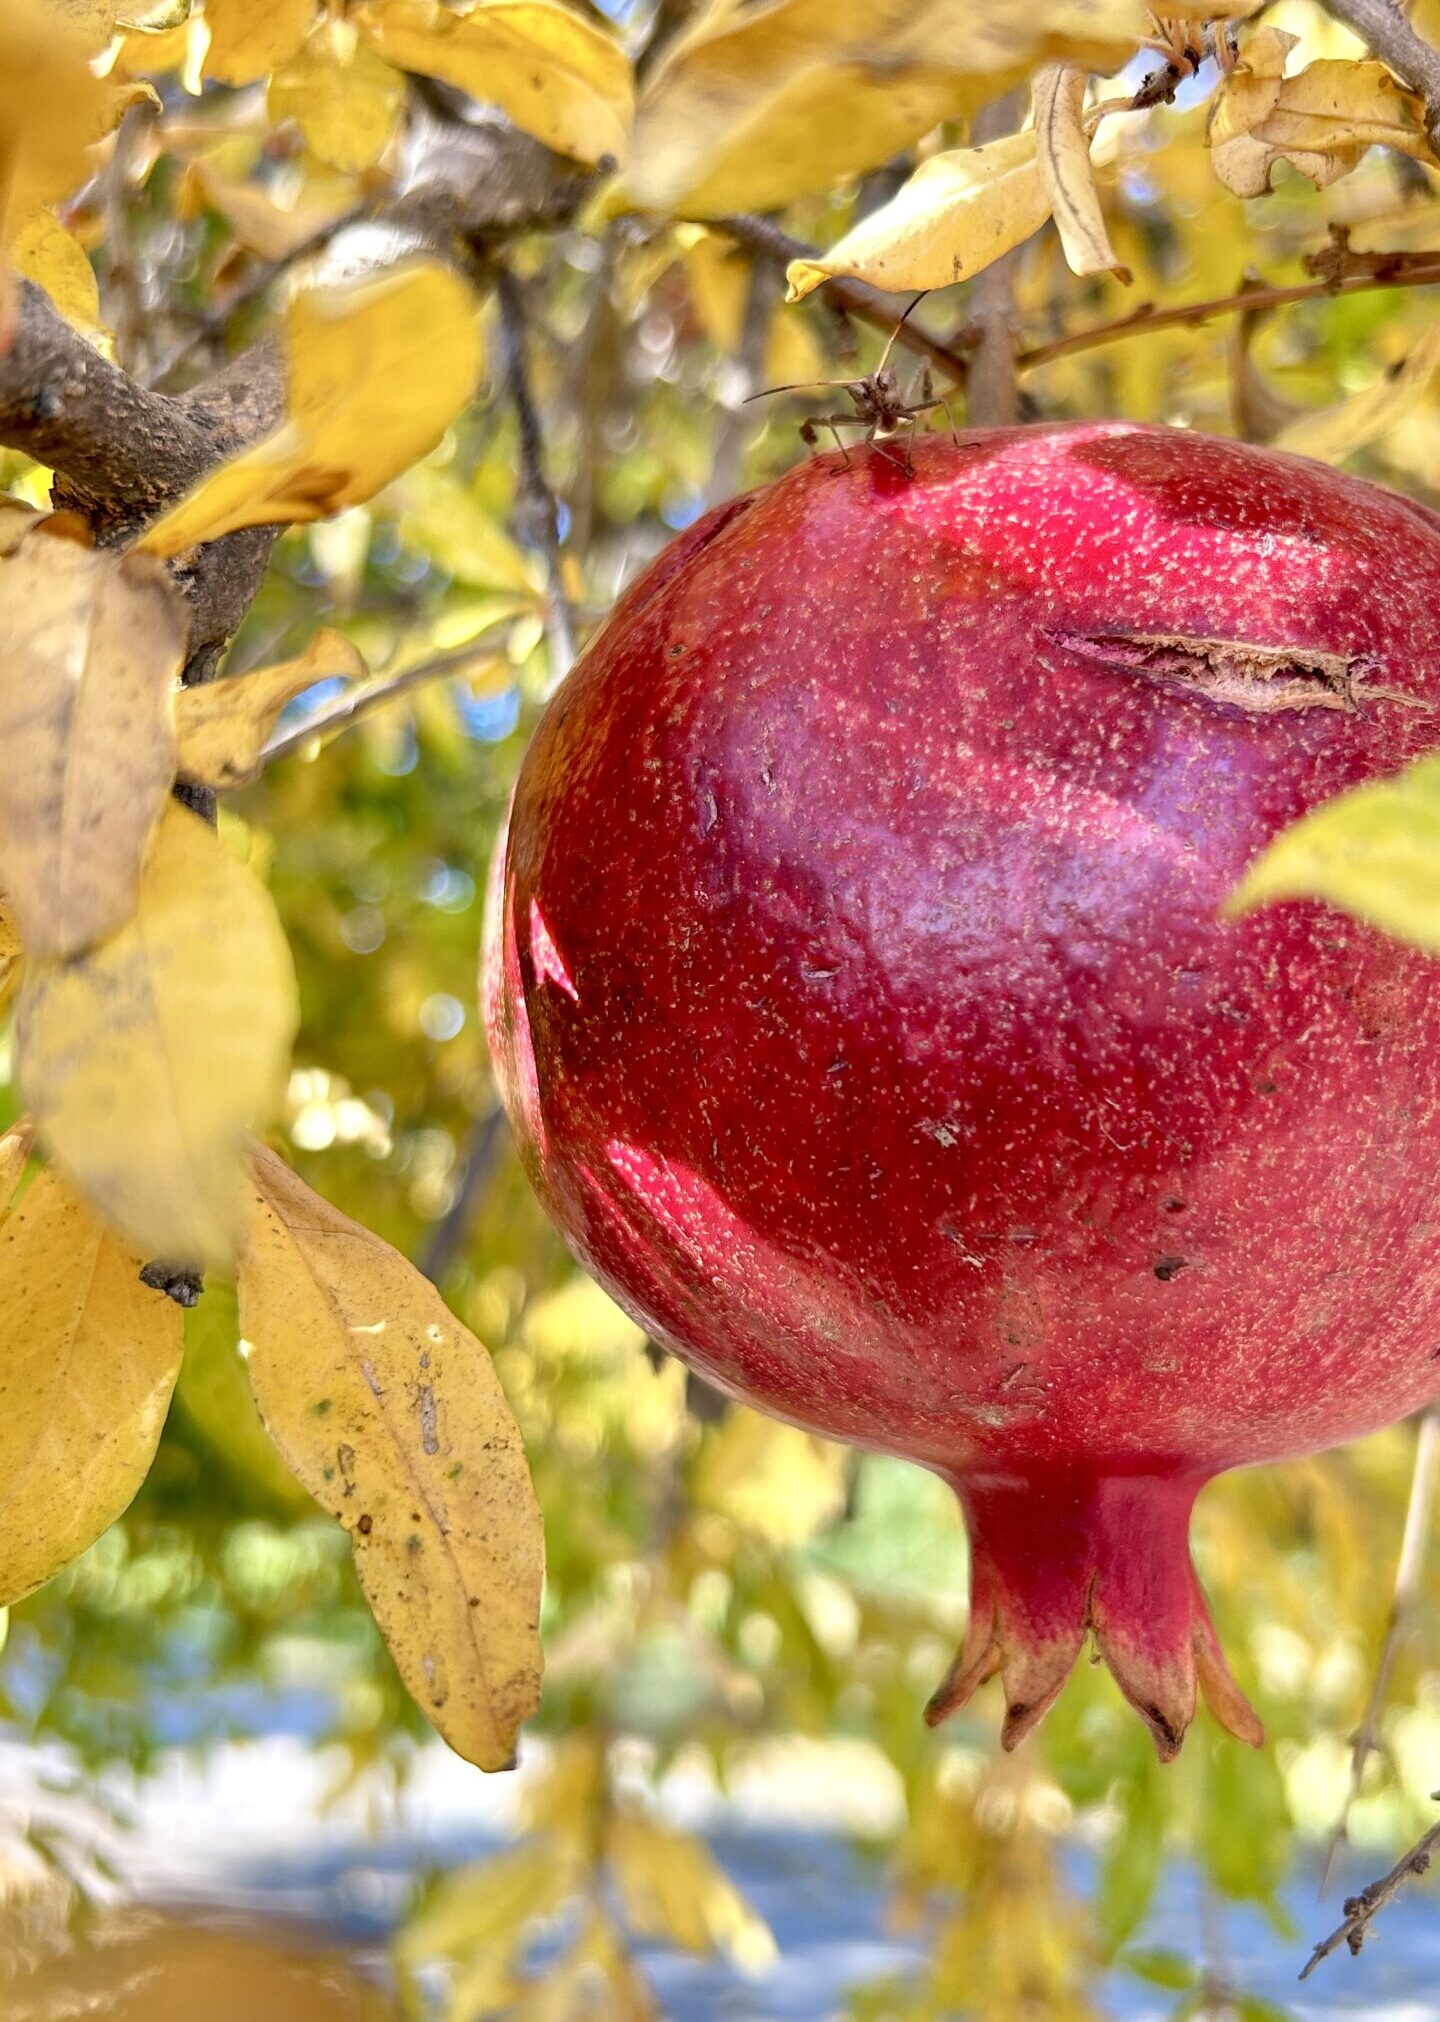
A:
862,1003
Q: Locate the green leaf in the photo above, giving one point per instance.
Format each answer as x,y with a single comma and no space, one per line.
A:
1375,852
1160,1968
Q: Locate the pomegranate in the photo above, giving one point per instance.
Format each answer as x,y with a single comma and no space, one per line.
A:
865,1011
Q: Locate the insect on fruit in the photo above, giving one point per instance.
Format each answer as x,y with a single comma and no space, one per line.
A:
879,406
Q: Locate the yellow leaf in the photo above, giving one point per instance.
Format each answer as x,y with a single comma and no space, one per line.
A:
487,1908
223,724
147,1059
259,224
44,252
958,212
96,641
1334,433
153,17
88,1358
552,72
376,372
1374,851
15,1149
672,1887
250,38
1321,121
757,105
344,98
52,106
446,521
214,1393
1057,93
390,1412
16,520
10,952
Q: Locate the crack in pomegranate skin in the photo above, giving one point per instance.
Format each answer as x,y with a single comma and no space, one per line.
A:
1238,673
885,1054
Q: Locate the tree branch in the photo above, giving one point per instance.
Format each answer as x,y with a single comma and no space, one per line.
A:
1384,27
857,298
993,394
537,516
1359,1910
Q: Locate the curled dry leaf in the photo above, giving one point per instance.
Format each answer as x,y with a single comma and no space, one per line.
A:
391,1414
344,97
250,38
1321,121
958,212
148,1058
223,724
1333,433
88,1359
1067,175
553,72
97,641
376,372
1375,852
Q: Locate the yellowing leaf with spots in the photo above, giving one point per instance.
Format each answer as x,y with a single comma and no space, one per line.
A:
88,1359
1057,93
52,106
1375,852
250,38
223,725
1322,120
958,212
44,252
391,1414
376,372
343,96
148,1058
95,642
552,72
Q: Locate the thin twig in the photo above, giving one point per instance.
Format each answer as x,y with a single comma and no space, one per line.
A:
993,389
536,511
856,298
124,303
1408,1570
213,324
363,701
1146,318
1384,27
447,1238
743,374
1359,1910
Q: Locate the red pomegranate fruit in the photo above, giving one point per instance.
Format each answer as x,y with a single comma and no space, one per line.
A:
865,1010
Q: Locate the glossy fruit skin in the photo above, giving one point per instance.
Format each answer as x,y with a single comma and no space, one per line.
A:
862,1001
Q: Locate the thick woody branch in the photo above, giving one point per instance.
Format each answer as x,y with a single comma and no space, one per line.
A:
1384,26
122,454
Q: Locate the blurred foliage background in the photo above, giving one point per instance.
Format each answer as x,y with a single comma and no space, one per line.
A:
723,1593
